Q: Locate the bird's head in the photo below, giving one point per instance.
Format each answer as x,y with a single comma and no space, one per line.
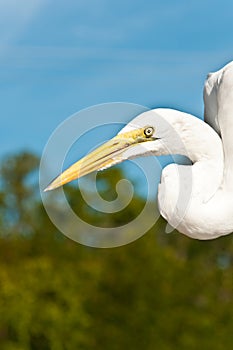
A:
143,136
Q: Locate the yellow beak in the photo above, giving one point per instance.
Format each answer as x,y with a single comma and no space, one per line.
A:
108,154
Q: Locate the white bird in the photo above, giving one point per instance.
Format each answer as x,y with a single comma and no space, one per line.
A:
196,199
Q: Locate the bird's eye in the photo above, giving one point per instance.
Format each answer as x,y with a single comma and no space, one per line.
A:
149,131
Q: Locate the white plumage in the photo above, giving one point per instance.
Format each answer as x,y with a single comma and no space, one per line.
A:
196,199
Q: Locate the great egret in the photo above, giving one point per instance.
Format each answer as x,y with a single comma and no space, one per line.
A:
197,199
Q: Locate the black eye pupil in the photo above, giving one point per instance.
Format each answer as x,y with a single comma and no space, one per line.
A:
148,132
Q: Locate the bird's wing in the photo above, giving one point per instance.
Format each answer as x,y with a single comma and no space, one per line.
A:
211,95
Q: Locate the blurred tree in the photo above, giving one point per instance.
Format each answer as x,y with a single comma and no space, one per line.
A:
161,292
106,184
17,194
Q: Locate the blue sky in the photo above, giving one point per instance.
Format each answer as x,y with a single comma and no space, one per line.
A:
58,57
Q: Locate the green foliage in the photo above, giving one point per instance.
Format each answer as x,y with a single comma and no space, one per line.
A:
106,184
161,292
17,192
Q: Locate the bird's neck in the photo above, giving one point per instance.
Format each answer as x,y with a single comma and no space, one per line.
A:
193,138
185,190
204,148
